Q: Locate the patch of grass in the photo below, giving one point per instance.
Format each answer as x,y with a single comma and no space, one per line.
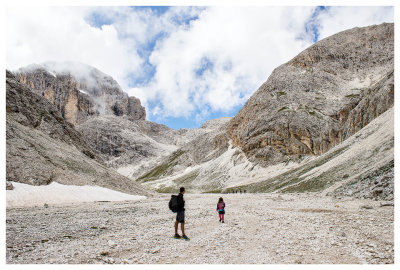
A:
320,182
280,93
167,189
294,176
213,191
187,178
162,168
314,113
317,184
352,96
381,171
283,108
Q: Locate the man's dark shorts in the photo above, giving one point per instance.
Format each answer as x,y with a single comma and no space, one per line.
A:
180,216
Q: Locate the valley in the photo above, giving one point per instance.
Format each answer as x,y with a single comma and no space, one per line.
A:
258,229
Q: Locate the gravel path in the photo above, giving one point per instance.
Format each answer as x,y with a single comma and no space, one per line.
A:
259,228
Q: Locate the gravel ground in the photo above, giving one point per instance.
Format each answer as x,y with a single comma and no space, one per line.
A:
259,228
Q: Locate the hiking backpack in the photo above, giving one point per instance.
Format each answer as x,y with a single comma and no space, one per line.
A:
173,203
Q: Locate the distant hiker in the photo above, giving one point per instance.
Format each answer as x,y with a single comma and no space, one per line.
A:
180,215
221,209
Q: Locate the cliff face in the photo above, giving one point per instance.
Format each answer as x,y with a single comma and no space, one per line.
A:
122,142
319,98
80,91
41,147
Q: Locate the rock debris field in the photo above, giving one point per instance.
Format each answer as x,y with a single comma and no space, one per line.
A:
258,229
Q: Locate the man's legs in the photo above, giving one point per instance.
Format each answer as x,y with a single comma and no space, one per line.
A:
176,227
183,228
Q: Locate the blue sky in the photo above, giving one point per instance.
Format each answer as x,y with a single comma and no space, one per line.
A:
186,64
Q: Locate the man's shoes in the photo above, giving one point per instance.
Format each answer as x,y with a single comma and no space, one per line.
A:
177,236
185,237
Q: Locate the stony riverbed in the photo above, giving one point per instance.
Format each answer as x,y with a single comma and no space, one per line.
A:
258,228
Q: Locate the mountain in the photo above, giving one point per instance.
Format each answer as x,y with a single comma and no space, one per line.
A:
292,124
319,98
122,142
362,166
80,91
110,123
42,147
194,164
322,122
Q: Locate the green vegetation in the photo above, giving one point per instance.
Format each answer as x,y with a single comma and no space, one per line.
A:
318,183
296,176
169,189
161,169
381,171
213,191
307,186
283,108
187,178
352,96
314,113
280,93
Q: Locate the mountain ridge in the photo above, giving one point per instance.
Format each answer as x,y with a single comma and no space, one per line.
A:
80,91
42,147
306,107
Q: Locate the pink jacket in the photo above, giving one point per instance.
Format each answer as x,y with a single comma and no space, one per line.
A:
220,206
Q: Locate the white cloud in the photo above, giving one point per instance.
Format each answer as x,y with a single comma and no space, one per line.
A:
243,45
337,19
40,34
212,64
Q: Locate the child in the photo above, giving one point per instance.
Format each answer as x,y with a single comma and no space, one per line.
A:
221,209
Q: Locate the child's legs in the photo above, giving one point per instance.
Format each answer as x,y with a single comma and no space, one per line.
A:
222,216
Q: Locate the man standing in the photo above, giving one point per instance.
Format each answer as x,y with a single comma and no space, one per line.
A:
180,215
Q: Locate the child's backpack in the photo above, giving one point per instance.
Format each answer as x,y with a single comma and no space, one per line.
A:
221,206
173,203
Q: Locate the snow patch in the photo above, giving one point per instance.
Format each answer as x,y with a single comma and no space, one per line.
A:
24,195
82,91
51,73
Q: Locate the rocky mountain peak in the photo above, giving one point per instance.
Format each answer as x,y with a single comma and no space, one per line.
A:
319,98
80,91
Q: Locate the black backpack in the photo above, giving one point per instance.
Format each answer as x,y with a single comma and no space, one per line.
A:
173,203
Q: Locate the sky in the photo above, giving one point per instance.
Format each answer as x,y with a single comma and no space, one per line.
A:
186,64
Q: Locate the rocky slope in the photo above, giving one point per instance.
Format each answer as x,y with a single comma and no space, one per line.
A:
80,91
121,142
290,126
42,147
112,124
353,168
151,143
320,97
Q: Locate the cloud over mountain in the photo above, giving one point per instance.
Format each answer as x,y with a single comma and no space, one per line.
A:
182,62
